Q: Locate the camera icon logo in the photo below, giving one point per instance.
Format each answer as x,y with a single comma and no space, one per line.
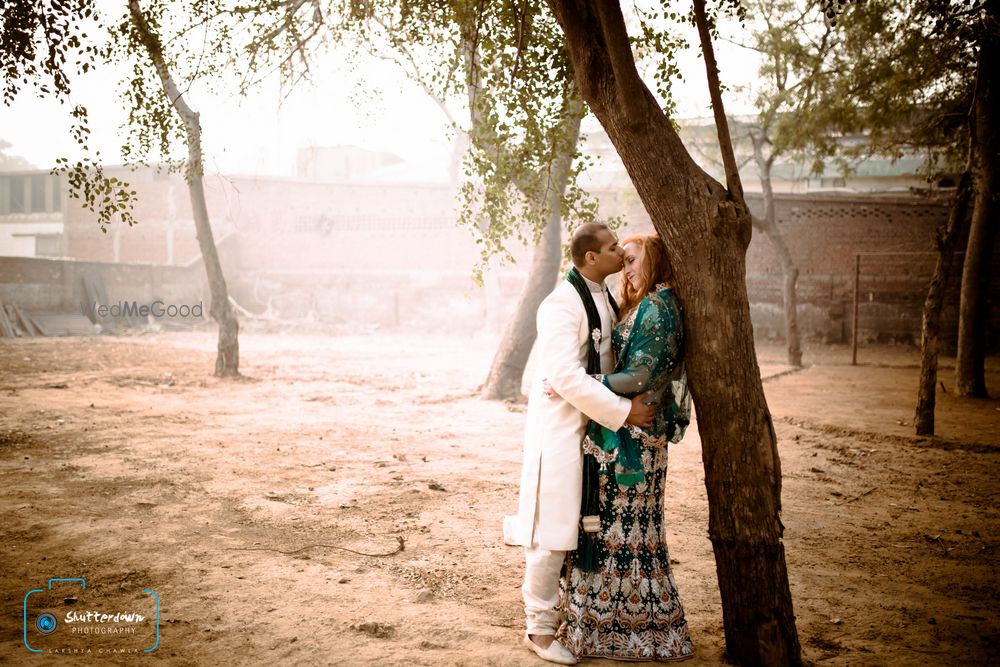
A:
46,623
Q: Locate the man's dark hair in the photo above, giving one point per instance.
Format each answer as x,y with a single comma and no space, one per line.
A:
585,240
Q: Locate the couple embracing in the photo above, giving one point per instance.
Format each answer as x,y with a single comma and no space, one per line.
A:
609,395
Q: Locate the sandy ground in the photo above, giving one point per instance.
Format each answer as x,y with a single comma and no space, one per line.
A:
124,462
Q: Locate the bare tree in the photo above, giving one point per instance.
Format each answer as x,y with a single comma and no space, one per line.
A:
930,328
228,355
768,224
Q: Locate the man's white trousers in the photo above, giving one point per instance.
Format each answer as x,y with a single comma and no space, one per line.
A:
541,589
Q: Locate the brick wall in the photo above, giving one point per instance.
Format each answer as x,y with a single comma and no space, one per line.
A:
286,224
824,232
56,285
893,234
165,233
373,254
344,250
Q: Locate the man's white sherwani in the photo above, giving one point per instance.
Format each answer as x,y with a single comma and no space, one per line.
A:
552,474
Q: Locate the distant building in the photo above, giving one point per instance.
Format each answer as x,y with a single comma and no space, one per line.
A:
31,218
298,223
382,247
340,164
881,217
788,175
385,252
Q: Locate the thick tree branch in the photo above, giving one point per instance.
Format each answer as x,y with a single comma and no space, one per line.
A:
151,41
733,183
630,90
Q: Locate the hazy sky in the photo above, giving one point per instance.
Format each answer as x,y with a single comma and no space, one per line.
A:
375,106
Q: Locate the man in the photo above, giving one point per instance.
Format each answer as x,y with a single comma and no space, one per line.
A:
547,523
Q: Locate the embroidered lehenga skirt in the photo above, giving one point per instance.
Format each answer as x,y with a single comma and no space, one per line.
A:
628,609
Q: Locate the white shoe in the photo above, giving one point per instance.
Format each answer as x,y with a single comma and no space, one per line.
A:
509,528
556,652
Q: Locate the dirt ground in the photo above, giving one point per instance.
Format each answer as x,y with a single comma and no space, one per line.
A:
124,462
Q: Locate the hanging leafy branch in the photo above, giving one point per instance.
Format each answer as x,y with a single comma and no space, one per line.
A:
36,41
901,76
43,45
210,45
520,98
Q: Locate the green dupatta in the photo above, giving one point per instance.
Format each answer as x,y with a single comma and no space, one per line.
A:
650,359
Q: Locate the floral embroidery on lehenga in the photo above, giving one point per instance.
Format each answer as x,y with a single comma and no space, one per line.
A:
629,608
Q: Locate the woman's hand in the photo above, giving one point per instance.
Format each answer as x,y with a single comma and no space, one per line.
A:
547,389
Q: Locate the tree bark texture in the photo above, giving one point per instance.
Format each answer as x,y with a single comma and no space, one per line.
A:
930,329
973,316
706,233
790,272
227,358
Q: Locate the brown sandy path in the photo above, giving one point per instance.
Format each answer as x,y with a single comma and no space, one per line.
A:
126,463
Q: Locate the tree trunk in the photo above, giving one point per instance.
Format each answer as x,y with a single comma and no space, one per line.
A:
706,233
930,330
790,274
507,371
973,316
769,226
227,358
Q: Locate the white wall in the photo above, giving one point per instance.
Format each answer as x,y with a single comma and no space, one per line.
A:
17,233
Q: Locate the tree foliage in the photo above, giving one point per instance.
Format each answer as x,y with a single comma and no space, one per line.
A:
38,40
504,64
897,81
519,96
43,46
213,46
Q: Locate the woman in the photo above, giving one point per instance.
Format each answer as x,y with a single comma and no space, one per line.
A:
628,608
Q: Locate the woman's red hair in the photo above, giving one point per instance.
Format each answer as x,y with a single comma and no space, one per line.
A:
654,269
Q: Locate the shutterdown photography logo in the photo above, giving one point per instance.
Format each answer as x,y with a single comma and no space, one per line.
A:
67,617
